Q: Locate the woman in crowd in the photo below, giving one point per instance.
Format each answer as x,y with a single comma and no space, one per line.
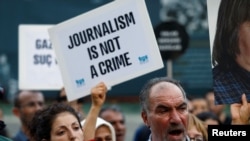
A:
196,129
104,130
61,122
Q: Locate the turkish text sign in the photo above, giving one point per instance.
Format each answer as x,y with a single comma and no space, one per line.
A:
38,68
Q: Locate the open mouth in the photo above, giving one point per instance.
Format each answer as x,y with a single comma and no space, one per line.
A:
176,132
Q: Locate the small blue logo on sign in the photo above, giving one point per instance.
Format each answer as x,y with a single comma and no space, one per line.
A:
80,82
143,59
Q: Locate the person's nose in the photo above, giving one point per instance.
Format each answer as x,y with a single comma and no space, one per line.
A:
175,117
72,134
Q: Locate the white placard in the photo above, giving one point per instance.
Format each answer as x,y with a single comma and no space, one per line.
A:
113,43
38,69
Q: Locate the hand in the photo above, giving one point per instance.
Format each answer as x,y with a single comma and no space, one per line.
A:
98,94
240,112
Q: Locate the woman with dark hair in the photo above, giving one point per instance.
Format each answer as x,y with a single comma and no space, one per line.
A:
76,104
231,52
43,122
61,122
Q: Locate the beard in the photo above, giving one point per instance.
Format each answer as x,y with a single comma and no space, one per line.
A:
26,119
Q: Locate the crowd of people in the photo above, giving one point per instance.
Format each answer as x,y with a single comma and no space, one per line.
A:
170,116
167,111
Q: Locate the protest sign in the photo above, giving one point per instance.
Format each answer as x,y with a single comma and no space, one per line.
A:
172,39
113,43
38,68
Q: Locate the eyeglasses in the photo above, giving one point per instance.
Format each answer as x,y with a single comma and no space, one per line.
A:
197,138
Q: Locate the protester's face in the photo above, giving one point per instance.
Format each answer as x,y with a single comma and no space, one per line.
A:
103,133
194,134
118,122
168,113
66,127
30,102
243,58
199,105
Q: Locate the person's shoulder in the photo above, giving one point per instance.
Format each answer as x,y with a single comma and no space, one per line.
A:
19,136
223,85
218,71
221,75
2,138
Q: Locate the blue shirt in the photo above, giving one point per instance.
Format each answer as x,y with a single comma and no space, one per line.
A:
20,136
229,85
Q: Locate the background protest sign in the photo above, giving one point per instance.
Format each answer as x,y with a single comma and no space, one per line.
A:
212,11
38,69
113,43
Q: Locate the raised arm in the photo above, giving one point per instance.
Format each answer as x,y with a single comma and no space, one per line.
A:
98,96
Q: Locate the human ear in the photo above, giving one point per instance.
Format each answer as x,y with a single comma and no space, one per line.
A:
16,112
145,118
